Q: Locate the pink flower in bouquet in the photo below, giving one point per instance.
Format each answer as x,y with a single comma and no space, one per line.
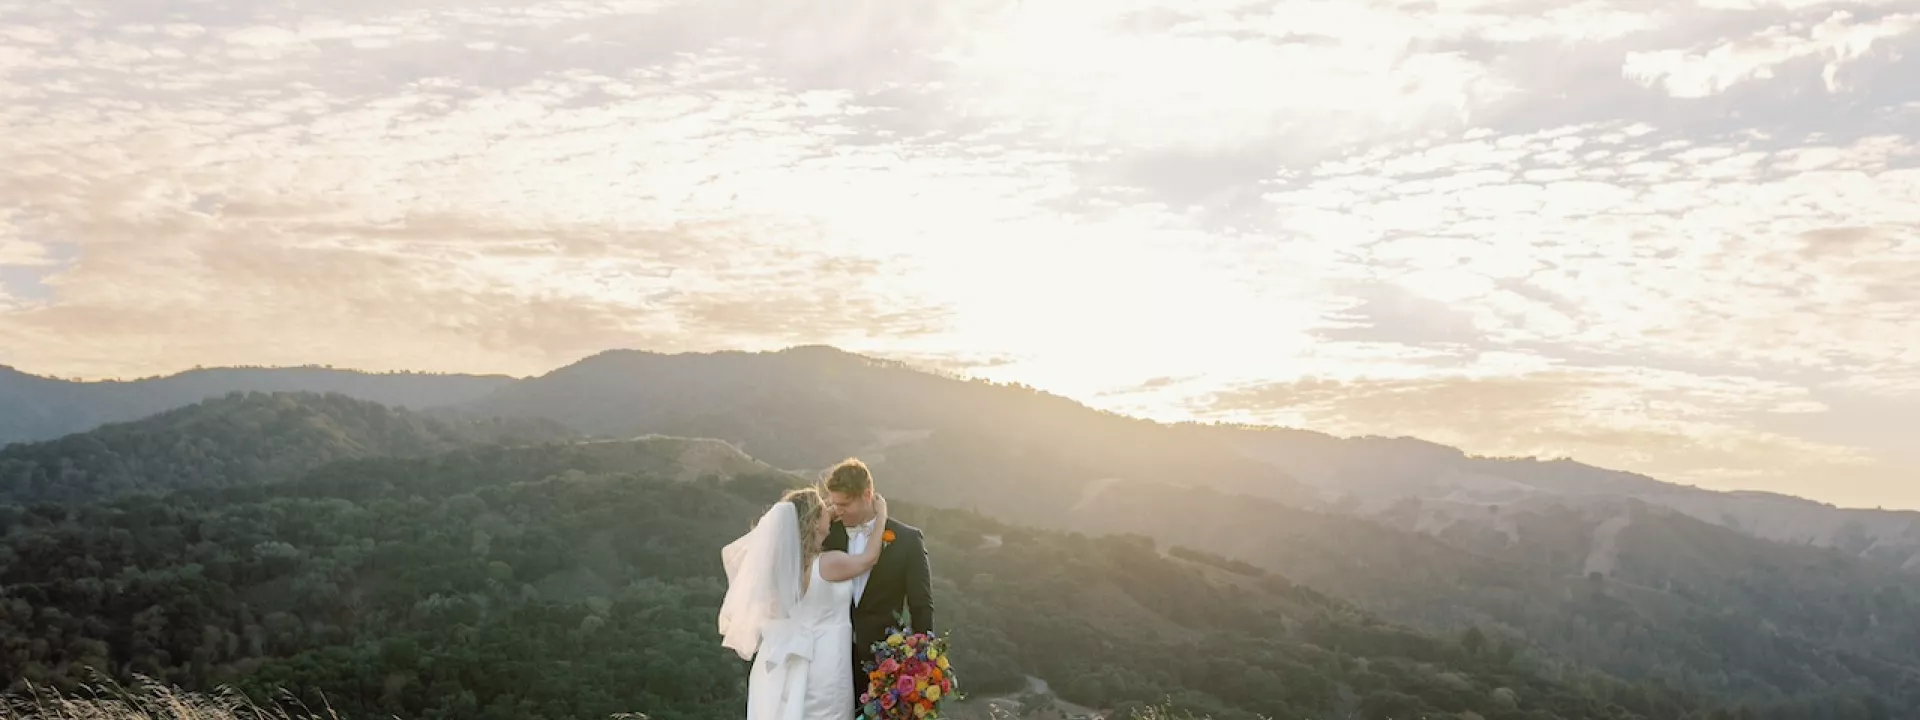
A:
909,678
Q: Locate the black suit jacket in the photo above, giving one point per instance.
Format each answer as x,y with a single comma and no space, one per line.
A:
903,577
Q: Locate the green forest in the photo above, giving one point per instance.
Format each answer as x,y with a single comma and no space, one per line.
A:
240,439
389,563
553,582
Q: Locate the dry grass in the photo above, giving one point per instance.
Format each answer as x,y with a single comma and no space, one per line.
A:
154,701
146,701
1054,712
1162,712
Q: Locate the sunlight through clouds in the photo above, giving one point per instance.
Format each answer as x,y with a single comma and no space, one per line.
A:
1837,41
1675,238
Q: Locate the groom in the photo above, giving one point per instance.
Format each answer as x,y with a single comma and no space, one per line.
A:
902,577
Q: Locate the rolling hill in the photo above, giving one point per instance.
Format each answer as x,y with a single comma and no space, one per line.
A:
811,406
41,408
1371,474
577,581
808,406
1588,574
236,440
1320,509
875,404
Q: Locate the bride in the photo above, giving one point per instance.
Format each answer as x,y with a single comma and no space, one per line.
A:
788,608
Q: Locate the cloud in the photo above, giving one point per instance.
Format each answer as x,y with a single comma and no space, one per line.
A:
1680,427
1571,200
1392,313
20,253
1621,240
1838,40
441,221
526,299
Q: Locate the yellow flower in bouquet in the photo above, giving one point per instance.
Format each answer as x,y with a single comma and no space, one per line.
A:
909,677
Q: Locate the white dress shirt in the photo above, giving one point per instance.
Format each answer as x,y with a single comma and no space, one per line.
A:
857,536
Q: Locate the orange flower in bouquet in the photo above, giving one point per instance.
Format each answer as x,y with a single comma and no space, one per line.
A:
910,677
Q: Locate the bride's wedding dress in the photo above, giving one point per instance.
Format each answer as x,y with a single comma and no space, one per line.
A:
798,635
800,672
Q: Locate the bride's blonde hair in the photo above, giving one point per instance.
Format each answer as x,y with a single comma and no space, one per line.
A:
807,507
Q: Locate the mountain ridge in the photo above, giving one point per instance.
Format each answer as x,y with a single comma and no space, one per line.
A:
1555,582
35,407
241,438
1030,458
820,353
1889,535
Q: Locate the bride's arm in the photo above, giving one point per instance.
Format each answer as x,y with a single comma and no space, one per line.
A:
837,565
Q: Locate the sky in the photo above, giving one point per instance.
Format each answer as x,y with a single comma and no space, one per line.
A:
1679,237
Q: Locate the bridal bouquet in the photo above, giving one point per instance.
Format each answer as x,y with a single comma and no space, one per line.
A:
908,678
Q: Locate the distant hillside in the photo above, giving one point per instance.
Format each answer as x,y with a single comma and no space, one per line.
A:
40,408
809,406
1589,567
236,440
1637,591
1654,594
578,581
806,408
1371,474
1321,509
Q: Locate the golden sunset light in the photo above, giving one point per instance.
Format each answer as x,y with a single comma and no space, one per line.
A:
960,359
1680,240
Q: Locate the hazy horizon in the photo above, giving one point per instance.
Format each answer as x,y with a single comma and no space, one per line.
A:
1679,239
922,367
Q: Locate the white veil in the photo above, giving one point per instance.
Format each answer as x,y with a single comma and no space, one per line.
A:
763,579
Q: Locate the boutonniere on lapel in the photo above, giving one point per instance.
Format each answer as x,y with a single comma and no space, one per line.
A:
886,538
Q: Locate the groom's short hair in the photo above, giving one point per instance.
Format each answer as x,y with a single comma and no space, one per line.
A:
850,477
